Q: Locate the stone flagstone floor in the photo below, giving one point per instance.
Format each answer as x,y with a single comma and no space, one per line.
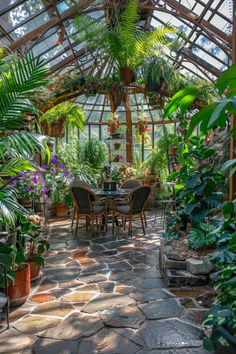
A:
103,294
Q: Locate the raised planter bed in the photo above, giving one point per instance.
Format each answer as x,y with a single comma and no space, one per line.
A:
178,270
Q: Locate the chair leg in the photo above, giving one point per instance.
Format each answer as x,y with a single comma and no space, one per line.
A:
145,220
130,226
141,217
106,221
73,217
92,222
77,224
113,223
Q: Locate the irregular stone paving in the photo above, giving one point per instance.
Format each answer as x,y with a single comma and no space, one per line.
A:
103,293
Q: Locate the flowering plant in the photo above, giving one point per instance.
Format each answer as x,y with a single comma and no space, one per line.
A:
142,128
117,158
114,124
30,184
58,179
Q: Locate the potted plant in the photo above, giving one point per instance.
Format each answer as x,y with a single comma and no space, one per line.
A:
30,186
141,128
18,271
222,315
117,158
114,126
58,179
117,145
31,228
146,176
125,44
152,163
61,119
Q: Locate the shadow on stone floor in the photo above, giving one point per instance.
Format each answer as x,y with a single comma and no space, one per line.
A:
101,293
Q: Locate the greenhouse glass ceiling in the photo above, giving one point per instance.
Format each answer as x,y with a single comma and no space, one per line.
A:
39,25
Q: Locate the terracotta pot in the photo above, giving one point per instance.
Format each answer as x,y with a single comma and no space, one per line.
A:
19,290
141,128
56,129
126,75
153,177
146,181
34,270
172,150
61,210
112,128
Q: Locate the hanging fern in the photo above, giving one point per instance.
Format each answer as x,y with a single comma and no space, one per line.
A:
123,43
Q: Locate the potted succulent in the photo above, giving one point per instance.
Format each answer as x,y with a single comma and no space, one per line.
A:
31,226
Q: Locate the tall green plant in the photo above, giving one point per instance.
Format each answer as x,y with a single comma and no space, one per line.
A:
19,77
124,44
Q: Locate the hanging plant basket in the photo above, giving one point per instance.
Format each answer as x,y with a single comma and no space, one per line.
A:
115,135
141,127
126,75
116,96
56,129
116,146
156,101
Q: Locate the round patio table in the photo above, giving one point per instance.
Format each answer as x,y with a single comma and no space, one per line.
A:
110,195
119,193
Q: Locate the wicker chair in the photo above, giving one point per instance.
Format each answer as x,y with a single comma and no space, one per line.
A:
135,202
84,200
78,182
131,184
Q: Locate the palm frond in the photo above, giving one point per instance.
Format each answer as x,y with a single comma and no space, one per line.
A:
17,86
24,145
9,206
14,166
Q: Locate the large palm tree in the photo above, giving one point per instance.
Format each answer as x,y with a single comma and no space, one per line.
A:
19,77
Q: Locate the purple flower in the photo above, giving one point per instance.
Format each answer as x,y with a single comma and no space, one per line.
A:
65,174
15,181
61,166
52,169
53,161
28,189
33,182
44,192
36,190
56,156
44,166
25,176
71,174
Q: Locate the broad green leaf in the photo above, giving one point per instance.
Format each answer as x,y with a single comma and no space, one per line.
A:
199,214
203,115
193,180
227,165
227,81
189,207
182,99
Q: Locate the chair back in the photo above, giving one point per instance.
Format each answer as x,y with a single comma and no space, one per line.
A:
78,182
130,184
138,196
82,197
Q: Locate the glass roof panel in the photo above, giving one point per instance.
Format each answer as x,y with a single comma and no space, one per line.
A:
22,13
